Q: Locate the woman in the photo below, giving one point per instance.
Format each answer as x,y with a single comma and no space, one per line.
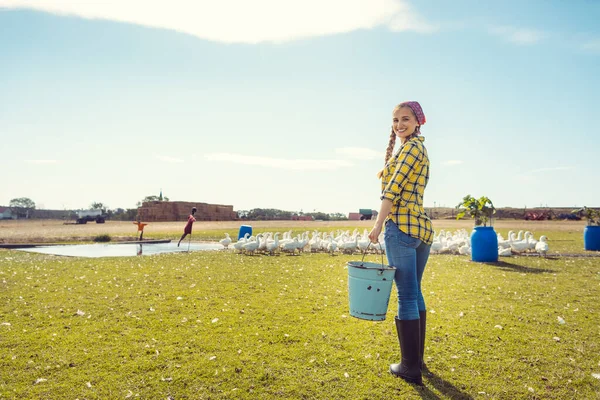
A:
408,232
188,227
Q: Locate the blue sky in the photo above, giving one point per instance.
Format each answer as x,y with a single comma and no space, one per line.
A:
284,104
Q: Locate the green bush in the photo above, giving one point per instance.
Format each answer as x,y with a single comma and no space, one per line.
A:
102,238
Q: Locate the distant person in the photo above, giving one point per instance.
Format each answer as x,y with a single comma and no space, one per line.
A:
408,232
140,226
188,227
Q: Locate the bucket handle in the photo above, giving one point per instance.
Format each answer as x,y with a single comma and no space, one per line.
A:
365,253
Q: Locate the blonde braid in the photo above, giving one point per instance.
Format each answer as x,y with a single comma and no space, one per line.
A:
389,151
390,148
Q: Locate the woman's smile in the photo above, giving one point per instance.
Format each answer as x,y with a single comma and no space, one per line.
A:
404,123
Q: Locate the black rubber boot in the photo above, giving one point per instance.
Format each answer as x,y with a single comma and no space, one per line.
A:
423,320
409,336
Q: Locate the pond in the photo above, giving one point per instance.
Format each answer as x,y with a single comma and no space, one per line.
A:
121,250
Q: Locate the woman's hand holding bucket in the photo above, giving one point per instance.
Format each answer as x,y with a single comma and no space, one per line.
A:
386,206
374,234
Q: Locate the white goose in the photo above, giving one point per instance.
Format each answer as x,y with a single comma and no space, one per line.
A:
263,244
350,245
287,238
363,243
436,246
530,240
303,242
290,247
505,244
226,242
240,243
542,246
273,246
519,246
331,245
252,246
315,242
465,249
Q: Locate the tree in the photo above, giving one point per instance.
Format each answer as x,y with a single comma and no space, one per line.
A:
338,217
592,216
98,206
22,207
268,214
118,211
319,215
481,209
152,198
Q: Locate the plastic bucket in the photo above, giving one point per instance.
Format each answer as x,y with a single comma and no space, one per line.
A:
243,230
484,244
369,288
591,238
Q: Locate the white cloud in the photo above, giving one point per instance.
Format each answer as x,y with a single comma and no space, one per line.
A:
591,46
517,35
532,175
547,169
453,162
169,159
42,161
243,21
406,20
282,163
360,153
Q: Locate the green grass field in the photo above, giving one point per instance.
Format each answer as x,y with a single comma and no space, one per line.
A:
218,325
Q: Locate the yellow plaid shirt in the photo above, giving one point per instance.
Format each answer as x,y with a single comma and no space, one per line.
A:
404,179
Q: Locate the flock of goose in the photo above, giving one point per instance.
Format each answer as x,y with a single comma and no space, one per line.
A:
339,241
331,242
459,242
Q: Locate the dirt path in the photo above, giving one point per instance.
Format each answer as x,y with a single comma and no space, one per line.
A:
38,231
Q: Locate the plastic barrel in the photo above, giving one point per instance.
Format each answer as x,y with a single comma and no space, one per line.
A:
484,244
243,230
591,238
369,288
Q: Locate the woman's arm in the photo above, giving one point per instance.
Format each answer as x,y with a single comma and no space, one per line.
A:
384,210
409,157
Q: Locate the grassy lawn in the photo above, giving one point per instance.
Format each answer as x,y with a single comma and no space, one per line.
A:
218,325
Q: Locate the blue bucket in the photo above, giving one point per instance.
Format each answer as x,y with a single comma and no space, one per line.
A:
484,244
243,230
591,238
369,288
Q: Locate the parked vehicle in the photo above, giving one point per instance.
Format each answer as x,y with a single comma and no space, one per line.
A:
85,216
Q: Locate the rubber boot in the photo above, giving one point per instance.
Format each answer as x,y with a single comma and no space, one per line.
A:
409,336
423,320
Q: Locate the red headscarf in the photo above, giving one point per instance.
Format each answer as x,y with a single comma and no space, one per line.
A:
416,109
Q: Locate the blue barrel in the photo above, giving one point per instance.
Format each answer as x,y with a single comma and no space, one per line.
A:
369,288
591,238
484,244
243,230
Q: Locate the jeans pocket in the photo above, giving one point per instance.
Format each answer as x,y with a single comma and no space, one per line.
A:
394,234
391,231
408,241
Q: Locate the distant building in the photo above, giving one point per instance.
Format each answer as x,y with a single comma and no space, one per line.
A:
153,211
6,213
362,214
302,218
52,214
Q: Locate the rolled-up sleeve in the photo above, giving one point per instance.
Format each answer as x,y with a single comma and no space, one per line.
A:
407,161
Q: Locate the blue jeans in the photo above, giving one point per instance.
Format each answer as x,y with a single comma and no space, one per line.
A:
409,255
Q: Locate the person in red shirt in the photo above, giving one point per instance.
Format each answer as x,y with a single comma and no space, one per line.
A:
140,226
188,227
